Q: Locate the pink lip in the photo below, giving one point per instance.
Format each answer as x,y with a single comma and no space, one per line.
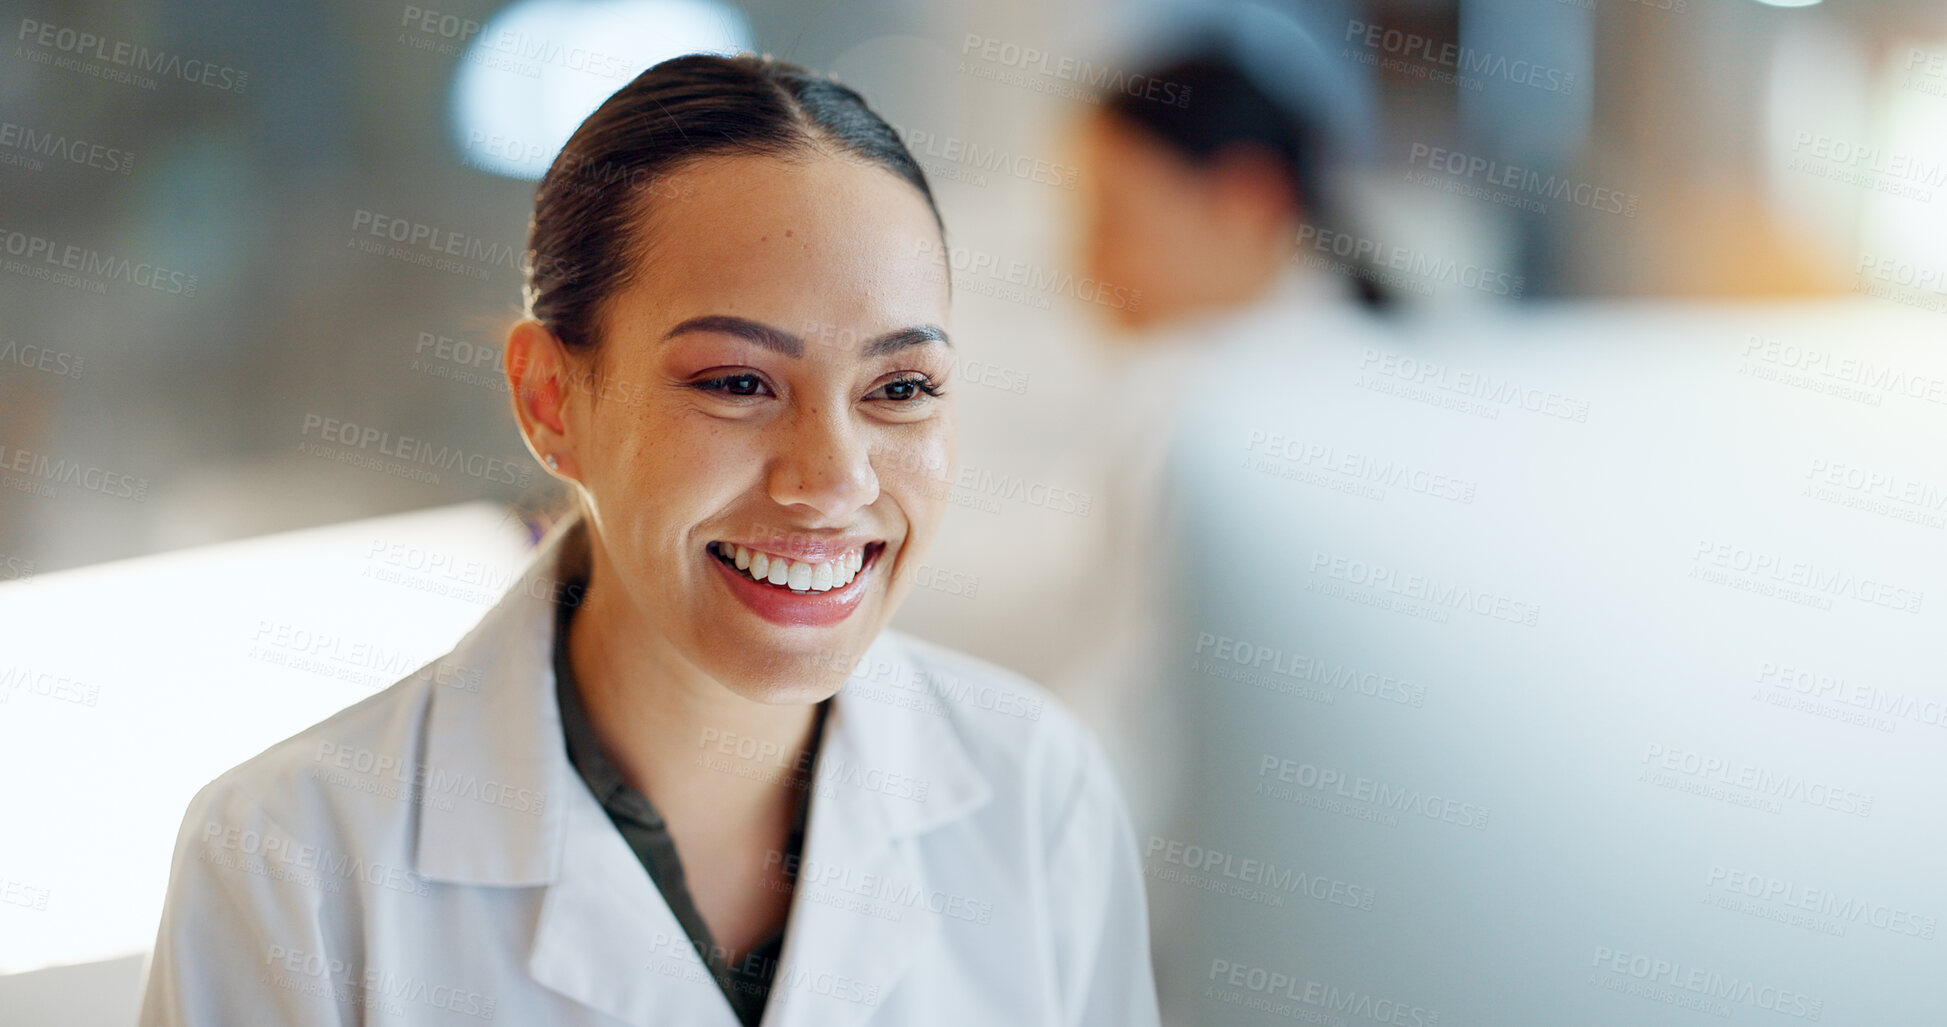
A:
789,609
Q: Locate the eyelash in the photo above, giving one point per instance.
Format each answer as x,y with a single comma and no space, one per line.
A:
919,381
718,384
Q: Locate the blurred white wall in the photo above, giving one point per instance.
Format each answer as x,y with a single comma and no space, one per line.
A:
1576,668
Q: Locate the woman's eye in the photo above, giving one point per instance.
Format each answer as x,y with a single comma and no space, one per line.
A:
734,385
904,390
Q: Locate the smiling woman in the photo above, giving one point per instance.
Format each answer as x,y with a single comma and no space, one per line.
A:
697,780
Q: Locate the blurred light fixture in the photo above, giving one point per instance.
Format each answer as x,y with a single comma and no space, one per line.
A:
537,68
1788,3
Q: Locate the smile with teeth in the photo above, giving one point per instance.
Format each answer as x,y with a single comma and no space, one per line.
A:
796,575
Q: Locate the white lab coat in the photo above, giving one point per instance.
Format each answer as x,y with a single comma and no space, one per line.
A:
429,855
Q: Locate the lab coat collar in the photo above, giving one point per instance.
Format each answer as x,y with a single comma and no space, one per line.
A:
890,767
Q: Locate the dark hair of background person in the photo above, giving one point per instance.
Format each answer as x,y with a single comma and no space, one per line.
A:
1224,108
587,237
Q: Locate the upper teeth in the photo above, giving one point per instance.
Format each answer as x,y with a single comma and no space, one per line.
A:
805,577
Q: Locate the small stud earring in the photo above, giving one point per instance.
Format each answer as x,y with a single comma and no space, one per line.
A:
552,462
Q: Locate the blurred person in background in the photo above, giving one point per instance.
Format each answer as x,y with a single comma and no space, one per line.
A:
1195,193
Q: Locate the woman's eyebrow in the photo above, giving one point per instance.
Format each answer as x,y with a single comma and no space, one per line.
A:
900,338
774,338
768,336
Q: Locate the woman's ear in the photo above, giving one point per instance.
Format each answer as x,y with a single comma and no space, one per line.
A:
539,374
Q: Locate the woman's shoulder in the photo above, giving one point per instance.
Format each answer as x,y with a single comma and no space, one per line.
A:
368,748
988,703
1019,735
978,683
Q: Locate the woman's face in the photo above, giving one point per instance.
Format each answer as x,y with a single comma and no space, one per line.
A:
1184,236
1145,218
765,382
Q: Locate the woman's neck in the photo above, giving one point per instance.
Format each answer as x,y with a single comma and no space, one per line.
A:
679,736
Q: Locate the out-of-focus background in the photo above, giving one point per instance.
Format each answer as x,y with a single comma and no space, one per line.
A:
1562,644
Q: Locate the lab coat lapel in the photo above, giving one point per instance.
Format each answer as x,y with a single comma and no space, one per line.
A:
607,939
504,807
491,810
860,919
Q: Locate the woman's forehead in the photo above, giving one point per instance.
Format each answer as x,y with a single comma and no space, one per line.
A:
828,210
821,247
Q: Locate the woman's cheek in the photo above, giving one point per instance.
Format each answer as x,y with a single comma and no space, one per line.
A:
698,461
920,473
638,472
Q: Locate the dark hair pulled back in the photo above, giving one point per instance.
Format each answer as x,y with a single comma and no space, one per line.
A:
585,240
1221,107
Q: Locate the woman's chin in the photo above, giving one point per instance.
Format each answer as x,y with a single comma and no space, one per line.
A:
778,675
787,691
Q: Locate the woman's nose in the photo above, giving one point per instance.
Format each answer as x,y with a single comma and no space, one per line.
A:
825,463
